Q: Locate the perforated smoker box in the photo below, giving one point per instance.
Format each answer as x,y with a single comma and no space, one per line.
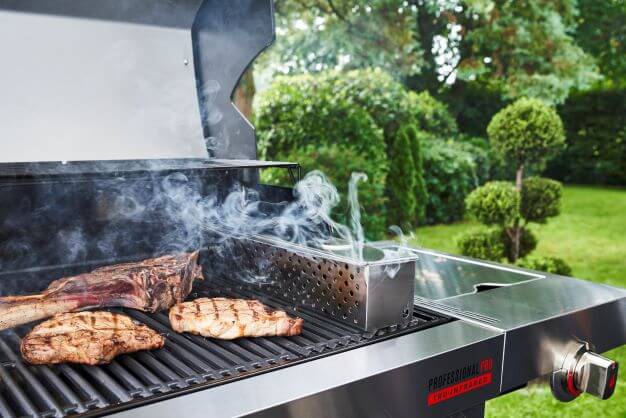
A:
108,109
369,294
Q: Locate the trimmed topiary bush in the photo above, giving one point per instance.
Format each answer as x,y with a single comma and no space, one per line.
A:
526,132
485,244
495,203
546,264
527,243
523,134
540,199
401,209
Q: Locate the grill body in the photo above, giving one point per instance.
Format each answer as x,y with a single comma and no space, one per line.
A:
371,346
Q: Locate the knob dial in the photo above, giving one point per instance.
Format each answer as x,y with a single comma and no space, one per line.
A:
584,371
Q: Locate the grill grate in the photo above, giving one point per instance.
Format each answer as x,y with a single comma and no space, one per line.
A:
187,362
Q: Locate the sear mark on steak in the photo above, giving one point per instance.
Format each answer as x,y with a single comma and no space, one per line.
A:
149,285
228,319
87,338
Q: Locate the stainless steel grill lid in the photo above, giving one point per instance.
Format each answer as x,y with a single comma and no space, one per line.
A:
122,80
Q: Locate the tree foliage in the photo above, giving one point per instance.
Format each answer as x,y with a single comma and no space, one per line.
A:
540,199
401,183
547,264
526,49
450,175
602,33
521,48
302,114
484,244
495,203
420,191
526,132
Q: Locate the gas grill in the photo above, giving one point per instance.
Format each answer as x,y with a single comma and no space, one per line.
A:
117,122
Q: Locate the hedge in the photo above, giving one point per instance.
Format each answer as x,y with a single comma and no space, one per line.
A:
450,175
365,111
301,114
595,124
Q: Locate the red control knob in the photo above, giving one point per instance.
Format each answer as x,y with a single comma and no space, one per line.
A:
584,371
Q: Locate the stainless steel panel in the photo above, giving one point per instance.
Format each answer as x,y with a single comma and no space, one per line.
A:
89,88
386,379
441,276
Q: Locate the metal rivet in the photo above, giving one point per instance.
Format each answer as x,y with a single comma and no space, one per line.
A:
186,61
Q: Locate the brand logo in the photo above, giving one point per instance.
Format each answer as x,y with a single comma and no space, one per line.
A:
459,381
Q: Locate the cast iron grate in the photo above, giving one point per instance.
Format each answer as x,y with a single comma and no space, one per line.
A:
186,362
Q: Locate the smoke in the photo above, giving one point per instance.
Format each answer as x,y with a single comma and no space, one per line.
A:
63,225
306,220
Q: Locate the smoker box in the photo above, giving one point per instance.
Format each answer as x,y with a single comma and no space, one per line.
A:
370,294
116,120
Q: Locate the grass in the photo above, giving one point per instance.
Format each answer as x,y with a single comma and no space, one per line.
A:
590,234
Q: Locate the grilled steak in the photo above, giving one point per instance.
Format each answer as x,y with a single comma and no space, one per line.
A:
228,319
149,285
87,338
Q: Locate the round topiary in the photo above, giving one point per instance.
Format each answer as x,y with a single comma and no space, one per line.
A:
546,264
495,203
527,243
540,199
526,132
485,244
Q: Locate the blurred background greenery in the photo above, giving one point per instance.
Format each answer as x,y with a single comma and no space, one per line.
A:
405,91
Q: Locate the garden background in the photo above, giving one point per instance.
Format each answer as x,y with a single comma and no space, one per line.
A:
463,114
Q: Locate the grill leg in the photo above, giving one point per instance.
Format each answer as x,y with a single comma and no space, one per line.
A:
477,411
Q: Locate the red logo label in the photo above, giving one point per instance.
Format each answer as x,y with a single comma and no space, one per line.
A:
459,381
460,388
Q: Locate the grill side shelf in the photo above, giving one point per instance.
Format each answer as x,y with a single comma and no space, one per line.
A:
186,363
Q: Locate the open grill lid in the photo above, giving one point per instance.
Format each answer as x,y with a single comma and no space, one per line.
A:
126,80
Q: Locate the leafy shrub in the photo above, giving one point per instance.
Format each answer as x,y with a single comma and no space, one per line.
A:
301,114
474,104
402,208
495,203
546,264
523,133
430,115
420,191
485,244
596,139
527,243
376,92
338,162
480,151
526,132
540,199
364,110
301,110
450,175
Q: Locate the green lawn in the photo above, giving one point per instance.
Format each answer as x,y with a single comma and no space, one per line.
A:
590,234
